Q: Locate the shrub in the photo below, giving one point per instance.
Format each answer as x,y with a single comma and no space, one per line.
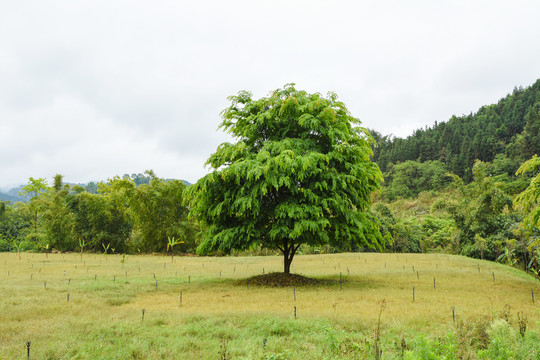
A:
445,347
506,343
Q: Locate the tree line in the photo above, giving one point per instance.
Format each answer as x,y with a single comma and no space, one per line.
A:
123,215
301,178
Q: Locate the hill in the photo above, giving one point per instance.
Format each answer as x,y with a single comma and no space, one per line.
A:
450,188
12,194
7,197
508,129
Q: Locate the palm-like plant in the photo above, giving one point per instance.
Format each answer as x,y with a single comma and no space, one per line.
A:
106,248
82,244
171,241
507,257
534,264
18,246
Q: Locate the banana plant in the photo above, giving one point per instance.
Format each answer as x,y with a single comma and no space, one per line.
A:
534,264
82,244
171,242
18,246
508,257
106,248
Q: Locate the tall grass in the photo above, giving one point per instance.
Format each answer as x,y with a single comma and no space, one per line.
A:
220,315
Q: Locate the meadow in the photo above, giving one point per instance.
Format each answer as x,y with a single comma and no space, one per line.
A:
155,307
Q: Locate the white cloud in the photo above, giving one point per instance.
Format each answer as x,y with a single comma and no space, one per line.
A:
96,89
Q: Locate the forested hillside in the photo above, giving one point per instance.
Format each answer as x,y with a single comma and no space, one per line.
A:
508,129
456,188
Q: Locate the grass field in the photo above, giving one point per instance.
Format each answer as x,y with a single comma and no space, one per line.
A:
203,307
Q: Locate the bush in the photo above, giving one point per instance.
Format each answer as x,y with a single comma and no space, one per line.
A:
443,348
506,343
5,245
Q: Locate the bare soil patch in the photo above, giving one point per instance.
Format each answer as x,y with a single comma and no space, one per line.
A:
279,279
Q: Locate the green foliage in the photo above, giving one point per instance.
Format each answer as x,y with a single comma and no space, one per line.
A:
508,257
15,224
482,212
98,221
439,232
57,218
387,223
158,212
92,187
82,245
528,200
403,233
506,343
70,218
423,348
139,179
34,188
408,234
527,143
408,179
510,127
170,244
5,245
299,173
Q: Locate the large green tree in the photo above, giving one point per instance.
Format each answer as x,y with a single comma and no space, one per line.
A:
299,173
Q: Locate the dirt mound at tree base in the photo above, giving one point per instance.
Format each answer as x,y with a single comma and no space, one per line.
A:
284,280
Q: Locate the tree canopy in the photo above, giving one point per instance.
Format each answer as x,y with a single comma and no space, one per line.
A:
299,173
509,127
529,199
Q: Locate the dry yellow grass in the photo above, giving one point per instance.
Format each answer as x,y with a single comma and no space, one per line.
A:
34,290
464,284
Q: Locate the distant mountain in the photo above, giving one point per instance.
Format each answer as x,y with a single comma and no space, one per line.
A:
7,197
12,194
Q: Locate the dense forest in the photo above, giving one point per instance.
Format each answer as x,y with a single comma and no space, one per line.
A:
506,133
456,187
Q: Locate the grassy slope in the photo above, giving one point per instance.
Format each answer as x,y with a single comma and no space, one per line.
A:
103,318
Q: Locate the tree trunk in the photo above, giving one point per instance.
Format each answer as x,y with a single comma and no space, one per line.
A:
289,249
286,265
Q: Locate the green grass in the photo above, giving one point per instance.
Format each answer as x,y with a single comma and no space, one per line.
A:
220,317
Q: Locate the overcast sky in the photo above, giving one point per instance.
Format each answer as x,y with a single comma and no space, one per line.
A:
94,89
